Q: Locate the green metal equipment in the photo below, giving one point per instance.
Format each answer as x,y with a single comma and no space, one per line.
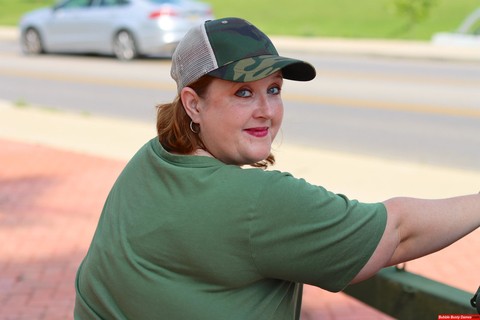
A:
404,295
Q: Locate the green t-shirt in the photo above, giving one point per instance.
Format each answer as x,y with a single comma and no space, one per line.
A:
189,237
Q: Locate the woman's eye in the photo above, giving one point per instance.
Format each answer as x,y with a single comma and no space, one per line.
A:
243,93
274,90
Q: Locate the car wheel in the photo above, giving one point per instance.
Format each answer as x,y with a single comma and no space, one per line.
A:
124,46
31,42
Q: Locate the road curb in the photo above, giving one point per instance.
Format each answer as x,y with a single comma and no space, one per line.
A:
8,33
400,49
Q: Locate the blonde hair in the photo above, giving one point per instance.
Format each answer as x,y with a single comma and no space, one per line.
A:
173,126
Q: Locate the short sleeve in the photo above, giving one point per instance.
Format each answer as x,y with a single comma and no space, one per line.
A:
304,233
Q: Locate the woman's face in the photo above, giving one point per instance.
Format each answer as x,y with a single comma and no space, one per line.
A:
239,121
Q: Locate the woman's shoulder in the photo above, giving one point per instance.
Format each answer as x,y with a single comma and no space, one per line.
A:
265,181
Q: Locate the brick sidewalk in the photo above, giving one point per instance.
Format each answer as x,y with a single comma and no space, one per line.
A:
50,201
49,204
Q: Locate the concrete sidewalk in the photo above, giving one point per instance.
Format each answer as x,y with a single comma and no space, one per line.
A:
57,168
365,177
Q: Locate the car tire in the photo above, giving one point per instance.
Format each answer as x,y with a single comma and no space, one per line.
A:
32,42
124,47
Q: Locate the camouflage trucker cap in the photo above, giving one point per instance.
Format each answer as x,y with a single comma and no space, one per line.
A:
232,49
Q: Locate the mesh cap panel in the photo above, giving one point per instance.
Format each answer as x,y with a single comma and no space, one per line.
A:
193,58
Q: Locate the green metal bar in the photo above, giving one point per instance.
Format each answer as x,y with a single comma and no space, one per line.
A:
404,295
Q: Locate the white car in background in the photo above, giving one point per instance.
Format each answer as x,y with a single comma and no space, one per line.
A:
467,35
123,28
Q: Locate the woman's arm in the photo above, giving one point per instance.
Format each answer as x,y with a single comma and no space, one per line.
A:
418,227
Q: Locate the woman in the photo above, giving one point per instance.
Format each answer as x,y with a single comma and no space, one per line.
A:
188,232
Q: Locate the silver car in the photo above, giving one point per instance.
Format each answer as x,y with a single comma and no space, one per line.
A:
124,28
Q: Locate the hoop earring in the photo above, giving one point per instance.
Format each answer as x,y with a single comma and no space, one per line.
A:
192,129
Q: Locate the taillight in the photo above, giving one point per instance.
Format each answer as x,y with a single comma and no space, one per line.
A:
164,12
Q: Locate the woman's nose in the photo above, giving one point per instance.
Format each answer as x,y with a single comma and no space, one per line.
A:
266,107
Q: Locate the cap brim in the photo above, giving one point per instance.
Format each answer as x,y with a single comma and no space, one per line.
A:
256,68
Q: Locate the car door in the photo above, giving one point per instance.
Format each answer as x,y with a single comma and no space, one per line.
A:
69,26
105,18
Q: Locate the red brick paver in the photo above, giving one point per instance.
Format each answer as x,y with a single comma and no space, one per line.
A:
50,201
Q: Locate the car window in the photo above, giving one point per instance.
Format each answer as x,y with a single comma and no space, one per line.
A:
75,4
164,1
109,3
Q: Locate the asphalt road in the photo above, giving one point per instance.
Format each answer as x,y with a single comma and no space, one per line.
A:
418,110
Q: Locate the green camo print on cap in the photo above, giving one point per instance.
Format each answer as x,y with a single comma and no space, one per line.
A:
244,53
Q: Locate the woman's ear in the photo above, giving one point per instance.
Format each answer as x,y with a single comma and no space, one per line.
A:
190,103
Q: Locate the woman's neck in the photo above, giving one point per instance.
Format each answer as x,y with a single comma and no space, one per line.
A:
202,152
